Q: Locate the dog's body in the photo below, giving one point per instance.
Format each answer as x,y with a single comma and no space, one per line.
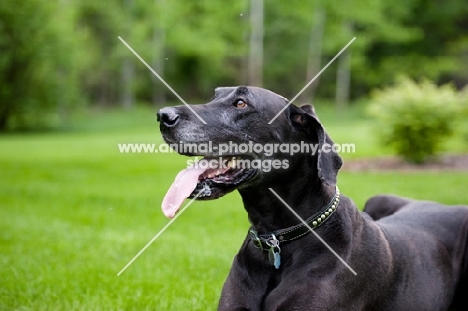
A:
405,262
413,258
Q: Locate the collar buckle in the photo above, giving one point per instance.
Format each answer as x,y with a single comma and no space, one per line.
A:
255,239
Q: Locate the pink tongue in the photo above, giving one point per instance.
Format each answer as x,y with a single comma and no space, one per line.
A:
183,185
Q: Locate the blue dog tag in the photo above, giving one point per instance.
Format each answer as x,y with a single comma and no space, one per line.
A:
274,258
274,252
277,260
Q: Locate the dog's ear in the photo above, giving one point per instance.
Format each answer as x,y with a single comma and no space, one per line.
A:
328,161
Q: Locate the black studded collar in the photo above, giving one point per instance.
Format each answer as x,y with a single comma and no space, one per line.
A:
271,242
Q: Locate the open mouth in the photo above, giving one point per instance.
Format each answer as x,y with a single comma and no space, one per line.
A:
207,179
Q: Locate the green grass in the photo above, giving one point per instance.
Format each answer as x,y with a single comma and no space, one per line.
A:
74,211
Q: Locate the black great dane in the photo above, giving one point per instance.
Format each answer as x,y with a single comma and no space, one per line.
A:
414,257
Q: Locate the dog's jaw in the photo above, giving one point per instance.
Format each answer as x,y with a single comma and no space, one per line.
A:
206,183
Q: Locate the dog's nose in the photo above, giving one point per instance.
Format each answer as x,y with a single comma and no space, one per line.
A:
168,117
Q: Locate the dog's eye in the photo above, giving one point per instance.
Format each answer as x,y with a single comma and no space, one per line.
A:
240,103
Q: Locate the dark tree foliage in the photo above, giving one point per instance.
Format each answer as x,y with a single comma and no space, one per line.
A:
56,55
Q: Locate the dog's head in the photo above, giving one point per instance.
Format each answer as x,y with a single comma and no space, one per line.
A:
240,149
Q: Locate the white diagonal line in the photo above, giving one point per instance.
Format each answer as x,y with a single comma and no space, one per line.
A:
311,230
162,80
159,233
313,79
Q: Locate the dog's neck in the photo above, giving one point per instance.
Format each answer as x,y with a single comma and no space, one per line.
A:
268,213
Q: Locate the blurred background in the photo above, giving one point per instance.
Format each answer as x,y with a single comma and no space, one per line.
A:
74,210
61,55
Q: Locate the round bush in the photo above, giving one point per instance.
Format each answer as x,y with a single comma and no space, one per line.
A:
416,118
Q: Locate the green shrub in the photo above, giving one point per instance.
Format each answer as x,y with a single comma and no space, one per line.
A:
416,118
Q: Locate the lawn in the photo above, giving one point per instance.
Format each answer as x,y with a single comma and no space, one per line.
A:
74,211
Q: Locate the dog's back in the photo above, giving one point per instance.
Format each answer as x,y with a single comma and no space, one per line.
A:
429,242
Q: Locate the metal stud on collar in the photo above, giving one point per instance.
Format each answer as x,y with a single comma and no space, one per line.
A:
318,220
